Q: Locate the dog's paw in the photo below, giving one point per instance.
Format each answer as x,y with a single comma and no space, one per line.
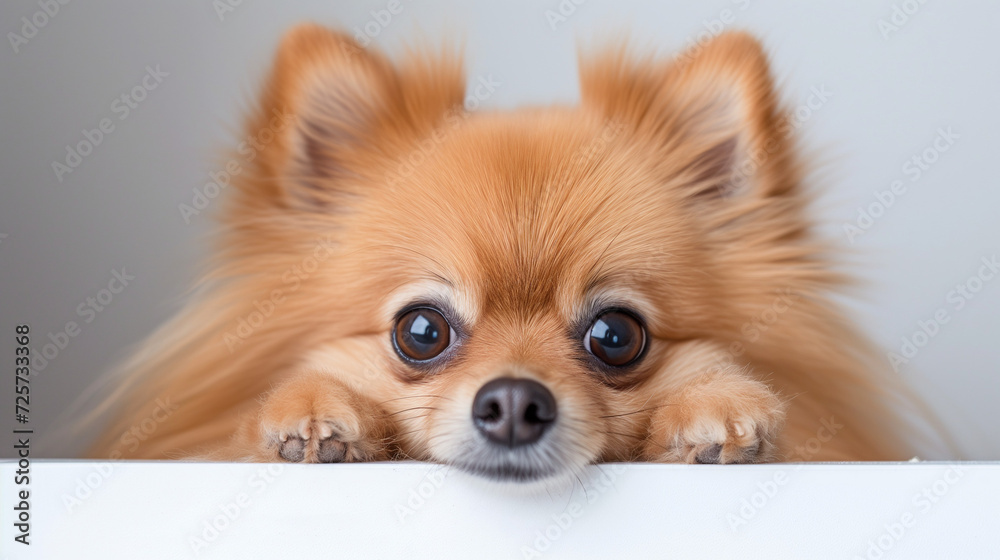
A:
315,440
311,420
733,422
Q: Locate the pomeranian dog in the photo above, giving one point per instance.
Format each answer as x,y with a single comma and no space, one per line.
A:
516,294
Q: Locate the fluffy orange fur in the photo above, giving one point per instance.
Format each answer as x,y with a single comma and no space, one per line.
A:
673,187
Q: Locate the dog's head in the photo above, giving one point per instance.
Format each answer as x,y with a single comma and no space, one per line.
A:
511,287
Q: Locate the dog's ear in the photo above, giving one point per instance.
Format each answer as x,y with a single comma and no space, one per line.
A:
336,108
712,112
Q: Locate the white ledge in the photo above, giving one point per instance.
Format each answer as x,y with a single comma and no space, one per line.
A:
130,510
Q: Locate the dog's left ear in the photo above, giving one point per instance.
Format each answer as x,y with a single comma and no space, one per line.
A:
333,111
712,112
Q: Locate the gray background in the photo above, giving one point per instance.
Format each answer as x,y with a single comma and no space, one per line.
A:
59,241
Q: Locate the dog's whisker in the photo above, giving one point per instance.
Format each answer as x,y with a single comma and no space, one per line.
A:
415,397
583,486
649,439
401,434
411,409
633,436
417,417
634,411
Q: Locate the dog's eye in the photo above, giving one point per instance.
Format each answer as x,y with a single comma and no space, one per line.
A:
616,338
422,334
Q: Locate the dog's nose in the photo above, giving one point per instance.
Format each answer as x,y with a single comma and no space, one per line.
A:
513,412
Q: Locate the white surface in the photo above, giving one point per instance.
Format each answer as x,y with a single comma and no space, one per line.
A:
890,95
408,510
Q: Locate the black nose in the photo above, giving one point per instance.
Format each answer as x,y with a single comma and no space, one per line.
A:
513,412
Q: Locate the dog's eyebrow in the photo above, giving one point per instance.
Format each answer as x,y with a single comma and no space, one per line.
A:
437,276
595,277
430,273
594,282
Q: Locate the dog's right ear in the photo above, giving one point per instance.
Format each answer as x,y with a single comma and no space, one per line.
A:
713,110
335,107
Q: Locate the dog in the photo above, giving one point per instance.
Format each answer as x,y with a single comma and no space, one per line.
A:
516,294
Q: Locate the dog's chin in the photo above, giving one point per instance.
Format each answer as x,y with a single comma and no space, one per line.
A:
511,472
537,464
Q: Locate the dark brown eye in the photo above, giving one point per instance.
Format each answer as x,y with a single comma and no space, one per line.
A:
422,334
616,338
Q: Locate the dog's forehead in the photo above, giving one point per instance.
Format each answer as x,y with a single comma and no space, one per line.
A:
539,212
529,216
